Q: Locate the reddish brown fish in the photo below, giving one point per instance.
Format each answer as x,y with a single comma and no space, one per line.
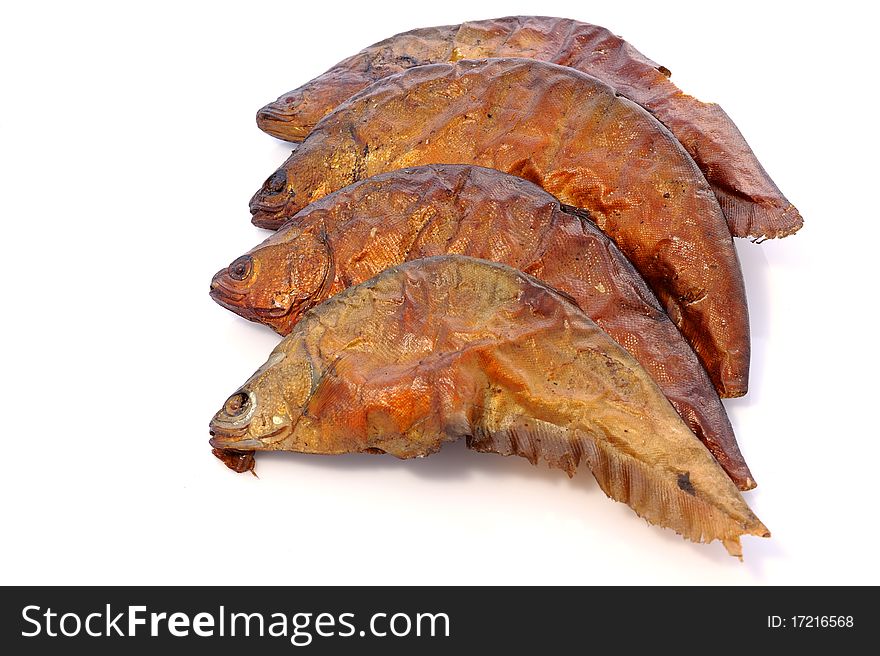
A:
357,232
752,203
573,136
448,347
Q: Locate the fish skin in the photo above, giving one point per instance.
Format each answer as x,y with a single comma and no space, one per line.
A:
573,136
752,203
447,347
355,233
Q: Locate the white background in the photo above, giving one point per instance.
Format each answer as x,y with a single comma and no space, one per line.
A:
129,151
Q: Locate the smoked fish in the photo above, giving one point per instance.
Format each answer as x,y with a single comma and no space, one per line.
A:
452,347
751,201
573,136
355,233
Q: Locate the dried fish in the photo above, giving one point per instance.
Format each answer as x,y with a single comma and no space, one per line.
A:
576,138
751,201
448,347
355,233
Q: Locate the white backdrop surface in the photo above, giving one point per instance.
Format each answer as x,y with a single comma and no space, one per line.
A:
129,152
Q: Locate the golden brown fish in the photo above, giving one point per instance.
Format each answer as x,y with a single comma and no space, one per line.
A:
573,136
448,347
353,234
752,203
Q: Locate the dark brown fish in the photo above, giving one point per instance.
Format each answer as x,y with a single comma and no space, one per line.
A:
448,347
752,203
573,136
357,232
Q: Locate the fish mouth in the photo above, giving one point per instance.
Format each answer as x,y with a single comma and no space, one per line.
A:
229,438
267,216
234,443
228,303
278,110
238,440
224,294
269,208
234,301
277,119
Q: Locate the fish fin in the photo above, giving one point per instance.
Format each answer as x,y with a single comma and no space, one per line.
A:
655,495
237,461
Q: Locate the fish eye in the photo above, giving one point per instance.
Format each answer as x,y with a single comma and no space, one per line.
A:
236,404
241,268
276,182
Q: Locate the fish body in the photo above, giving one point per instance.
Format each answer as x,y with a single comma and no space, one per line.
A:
753,204
355,233
452,347
570,134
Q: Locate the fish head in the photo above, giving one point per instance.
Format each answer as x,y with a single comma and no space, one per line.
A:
278,280
293,115
262,415
269,206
